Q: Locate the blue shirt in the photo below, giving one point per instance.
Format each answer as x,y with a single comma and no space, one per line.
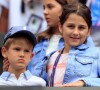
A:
40,52
83,64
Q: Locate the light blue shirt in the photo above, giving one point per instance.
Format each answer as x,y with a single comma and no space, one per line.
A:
83,63
40,52
25,79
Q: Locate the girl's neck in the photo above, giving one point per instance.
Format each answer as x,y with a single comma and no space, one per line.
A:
66,49
56,31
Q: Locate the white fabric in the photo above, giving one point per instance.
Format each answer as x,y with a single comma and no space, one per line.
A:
60,69
10,80
88,3
53,44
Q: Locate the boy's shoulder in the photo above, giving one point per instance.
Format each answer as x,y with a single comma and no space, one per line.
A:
35,80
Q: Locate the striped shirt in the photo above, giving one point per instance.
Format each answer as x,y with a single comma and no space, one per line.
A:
60,69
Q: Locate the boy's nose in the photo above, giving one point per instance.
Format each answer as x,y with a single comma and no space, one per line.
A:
22,53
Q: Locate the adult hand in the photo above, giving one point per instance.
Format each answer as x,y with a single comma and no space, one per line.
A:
74,84
5,64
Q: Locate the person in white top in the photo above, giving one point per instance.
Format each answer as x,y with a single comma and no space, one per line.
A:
18,45
25,12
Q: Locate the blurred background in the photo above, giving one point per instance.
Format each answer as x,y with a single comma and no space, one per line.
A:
30,12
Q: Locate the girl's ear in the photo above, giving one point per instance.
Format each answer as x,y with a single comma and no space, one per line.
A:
60,28
4,52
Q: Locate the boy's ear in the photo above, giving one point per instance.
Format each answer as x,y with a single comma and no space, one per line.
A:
32,55
60,28
4,52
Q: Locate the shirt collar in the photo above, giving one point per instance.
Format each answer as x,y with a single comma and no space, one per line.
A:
5,75
27,74
89,43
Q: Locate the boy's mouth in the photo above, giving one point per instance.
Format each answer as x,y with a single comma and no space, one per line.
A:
21,60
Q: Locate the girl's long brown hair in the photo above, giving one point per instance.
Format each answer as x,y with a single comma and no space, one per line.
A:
50,31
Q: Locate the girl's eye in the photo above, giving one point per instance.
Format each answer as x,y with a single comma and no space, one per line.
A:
70,26
50,6
81,28
43,7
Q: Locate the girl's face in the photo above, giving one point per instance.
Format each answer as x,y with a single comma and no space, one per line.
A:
52,11
74,30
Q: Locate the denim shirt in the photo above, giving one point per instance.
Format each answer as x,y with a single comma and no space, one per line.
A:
40,53
83,63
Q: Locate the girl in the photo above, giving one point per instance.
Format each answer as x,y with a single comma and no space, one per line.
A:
77,64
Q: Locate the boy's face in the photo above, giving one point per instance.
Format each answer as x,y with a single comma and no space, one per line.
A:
19,54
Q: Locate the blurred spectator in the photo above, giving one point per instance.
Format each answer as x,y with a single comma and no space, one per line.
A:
3,19
95,8
24,12
87,2
83,1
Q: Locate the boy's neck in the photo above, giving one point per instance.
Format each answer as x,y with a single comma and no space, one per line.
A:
17,72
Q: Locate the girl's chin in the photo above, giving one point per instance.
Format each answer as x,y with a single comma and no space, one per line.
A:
75,44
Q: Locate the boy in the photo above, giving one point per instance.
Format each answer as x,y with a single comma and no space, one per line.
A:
18,46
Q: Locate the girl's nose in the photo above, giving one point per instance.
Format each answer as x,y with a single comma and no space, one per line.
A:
76,31
45,11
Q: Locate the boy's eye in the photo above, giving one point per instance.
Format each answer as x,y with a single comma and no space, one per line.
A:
17,49
27,50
